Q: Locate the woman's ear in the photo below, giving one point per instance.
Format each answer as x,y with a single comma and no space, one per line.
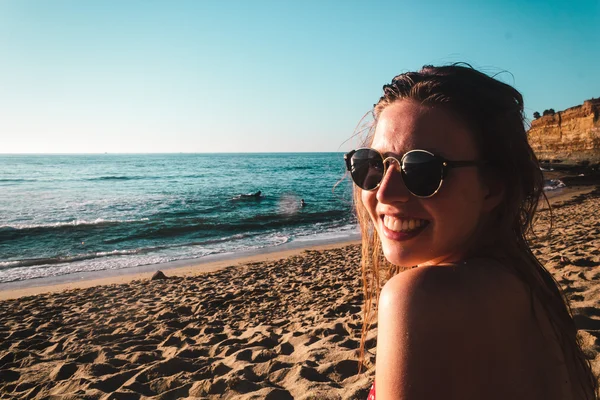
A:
494,193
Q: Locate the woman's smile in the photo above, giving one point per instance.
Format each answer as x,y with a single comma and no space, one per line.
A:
405,225
402,228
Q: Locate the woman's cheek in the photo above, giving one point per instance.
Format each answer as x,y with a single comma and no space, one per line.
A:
369,203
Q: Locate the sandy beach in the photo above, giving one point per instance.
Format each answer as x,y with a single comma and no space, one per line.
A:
280,326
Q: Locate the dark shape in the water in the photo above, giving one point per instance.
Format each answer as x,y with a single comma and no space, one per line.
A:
159,275
256,195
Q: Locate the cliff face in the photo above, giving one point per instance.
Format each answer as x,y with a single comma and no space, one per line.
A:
569,135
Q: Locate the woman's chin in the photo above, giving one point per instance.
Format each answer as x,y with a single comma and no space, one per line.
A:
405,250
400,258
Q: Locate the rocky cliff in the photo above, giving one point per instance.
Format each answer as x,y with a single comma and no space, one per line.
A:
572,135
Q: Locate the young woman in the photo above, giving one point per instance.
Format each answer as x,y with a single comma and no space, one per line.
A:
446,188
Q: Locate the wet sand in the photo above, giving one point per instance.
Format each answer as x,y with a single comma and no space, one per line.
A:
279,328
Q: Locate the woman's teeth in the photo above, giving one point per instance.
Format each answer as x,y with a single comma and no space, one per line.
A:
403,225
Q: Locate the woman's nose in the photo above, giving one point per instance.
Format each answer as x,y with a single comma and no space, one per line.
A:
392,188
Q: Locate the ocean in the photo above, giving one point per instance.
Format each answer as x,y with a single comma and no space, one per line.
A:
61,214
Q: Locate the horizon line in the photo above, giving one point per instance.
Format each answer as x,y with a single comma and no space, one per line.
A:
176,152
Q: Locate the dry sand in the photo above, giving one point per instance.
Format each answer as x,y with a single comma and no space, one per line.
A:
274,329
572,254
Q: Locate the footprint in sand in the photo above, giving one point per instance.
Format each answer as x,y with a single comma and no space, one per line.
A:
63,371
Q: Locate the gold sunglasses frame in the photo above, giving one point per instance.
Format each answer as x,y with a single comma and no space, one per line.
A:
446,165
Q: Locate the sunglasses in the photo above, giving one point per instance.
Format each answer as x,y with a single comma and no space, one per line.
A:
422,172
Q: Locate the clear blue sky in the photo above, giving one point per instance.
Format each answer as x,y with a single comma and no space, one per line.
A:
247,76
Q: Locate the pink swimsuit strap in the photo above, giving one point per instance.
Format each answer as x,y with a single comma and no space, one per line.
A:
372,392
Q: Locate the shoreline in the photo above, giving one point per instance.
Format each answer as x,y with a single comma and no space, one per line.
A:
180,268
215,262
559,197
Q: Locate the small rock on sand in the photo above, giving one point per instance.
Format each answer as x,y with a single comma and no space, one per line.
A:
159,275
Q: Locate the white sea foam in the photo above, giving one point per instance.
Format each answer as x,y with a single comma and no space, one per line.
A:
553,184
75,222
116,261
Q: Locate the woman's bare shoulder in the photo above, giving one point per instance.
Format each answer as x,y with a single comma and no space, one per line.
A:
468,325
476,285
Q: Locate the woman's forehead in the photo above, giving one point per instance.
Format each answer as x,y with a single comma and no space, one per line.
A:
406,125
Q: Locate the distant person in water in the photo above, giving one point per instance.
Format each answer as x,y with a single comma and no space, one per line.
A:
257,194
302,203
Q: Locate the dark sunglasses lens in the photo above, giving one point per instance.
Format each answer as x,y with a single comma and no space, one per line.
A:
366,168
422,173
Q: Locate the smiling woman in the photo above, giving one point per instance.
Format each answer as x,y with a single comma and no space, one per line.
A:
446,190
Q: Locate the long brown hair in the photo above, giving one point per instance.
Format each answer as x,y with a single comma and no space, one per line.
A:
493,111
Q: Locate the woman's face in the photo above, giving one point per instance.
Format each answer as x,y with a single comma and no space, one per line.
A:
452,215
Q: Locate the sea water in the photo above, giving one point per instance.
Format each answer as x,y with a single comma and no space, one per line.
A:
61,214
